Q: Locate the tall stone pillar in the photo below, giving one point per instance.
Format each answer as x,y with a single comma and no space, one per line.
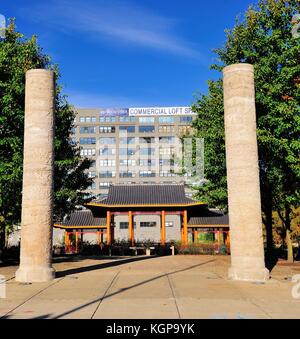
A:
247,248
37,198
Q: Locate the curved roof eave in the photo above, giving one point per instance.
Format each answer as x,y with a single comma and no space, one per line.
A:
145,205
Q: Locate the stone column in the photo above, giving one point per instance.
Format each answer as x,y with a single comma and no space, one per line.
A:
247,248
37,198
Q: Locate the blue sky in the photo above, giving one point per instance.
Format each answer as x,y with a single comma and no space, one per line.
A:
122,53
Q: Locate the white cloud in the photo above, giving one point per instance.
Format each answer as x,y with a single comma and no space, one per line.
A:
120,23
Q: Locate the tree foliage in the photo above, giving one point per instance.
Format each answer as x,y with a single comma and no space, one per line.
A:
209,125
17,55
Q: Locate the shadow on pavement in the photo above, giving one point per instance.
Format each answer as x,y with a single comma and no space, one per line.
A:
117,262
271,261
106,296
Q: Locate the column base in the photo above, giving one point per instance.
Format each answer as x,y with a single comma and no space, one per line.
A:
249,274
35,274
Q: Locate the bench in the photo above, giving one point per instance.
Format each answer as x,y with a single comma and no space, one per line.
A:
147,249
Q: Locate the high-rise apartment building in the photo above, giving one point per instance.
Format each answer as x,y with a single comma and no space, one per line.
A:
132,145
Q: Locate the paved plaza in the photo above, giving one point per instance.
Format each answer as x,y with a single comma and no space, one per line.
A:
180,287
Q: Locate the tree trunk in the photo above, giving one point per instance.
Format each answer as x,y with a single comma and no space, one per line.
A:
289,243
2,243
288,238
269,230
267,207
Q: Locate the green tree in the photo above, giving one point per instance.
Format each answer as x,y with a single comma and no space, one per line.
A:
209,125
263,38
17,55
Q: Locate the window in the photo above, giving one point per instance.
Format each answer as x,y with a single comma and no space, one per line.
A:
148,224
107,174
128,129
187,120
107,141
127,141
147,140
166,151
147,129
87,141
146,120
127,162
166,174
147,174
72,141
107,151
127,174
167,140
166,162
127,151
107,129
93,164
92,186
185,129
147,151
169,224
107,163
166,120
125,225
105,185
147,162
108,119
166,129
88,152
92,174
127,119
87,119
88,130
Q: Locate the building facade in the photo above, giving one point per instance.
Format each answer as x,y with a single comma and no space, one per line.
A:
132,145
159,214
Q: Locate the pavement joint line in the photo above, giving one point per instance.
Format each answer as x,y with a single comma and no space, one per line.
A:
105,293
5,281
260,308
245,297
173,293
160,276
30,298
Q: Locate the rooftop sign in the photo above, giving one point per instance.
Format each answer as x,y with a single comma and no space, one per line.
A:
144,111
117,112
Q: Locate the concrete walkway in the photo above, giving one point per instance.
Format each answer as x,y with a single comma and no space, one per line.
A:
181,287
